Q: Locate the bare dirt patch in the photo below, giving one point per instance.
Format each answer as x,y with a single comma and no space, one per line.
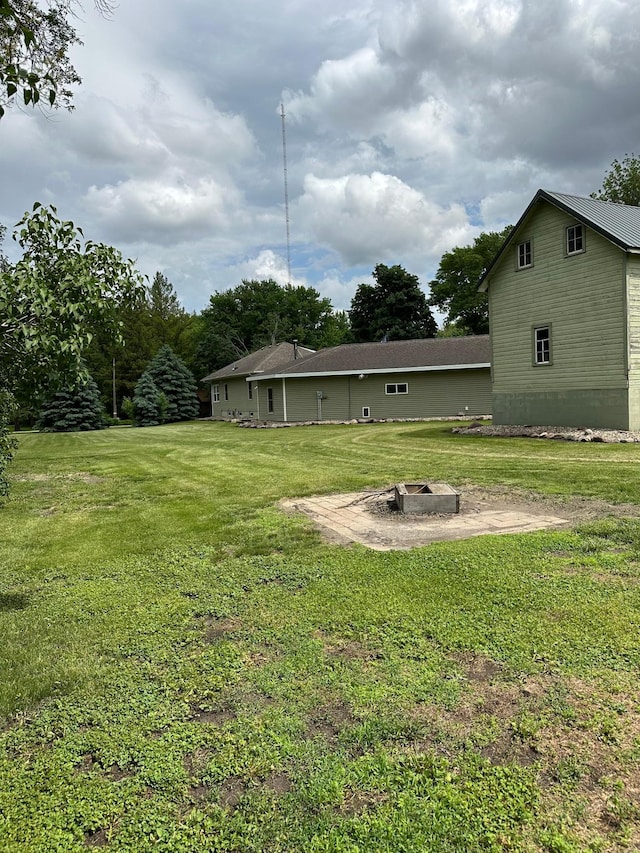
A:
279,783
357,802
231,792
217,717
581,738
329,721
346,649
96,839
215,629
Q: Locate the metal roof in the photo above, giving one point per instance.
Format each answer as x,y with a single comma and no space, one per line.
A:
618,223
392,356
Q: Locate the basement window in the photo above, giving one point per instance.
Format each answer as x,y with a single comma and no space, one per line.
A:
575,239
525,255
366,412
542,345
396,388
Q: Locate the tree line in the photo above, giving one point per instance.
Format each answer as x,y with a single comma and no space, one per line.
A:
137,319
76,318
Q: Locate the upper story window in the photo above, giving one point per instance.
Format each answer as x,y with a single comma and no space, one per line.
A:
542,345
525,255
575,239
396,388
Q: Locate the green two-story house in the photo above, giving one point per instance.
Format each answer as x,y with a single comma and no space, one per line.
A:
564,312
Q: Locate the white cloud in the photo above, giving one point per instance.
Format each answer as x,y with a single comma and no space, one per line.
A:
155,208
364,217
266,265
412,126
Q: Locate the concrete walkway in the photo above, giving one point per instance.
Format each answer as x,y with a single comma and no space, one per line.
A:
364,517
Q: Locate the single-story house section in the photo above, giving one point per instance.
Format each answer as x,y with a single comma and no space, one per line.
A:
232,388
427,378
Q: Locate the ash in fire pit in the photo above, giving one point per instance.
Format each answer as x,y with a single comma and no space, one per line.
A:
426,497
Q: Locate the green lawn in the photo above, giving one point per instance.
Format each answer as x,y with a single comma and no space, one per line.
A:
183,667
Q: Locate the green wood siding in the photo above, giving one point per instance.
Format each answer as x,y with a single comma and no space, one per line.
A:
633,334
238,405
430,394
581,297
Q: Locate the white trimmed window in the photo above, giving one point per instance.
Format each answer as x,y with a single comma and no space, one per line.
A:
542,345
525,255
396,388
575,239
366,412
215,393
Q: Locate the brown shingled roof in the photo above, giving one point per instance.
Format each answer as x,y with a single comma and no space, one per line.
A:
268,358
392,355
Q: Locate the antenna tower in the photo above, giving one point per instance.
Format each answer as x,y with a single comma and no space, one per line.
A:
286,192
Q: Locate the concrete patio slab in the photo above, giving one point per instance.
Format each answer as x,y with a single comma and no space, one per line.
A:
366,518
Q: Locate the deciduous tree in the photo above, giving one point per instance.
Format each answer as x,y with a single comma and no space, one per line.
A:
51,302
621,184
257,313
394,308
455,288
35,43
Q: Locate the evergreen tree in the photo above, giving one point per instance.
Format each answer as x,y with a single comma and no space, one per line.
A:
73,408
148,402
174,379
153,319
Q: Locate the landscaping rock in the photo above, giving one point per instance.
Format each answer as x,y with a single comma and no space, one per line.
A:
607,436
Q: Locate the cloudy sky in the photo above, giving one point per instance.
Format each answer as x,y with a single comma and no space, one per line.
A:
411,126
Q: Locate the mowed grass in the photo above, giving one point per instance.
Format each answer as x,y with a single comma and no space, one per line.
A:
184,667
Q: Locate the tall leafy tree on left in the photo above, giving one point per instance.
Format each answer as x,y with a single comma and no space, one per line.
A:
35,41
61,292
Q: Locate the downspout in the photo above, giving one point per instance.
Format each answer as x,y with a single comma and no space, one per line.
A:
284,399
349,397
258,397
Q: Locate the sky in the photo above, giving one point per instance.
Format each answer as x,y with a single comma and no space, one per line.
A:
411,127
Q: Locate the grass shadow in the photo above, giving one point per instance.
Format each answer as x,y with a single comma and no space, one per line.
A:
13,601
